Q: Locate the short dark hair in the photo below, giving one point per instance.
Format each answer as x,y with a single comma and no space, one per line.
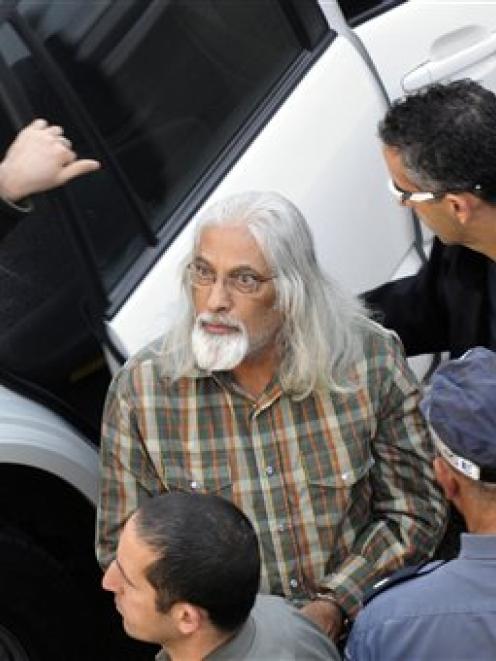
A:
446,134
208,555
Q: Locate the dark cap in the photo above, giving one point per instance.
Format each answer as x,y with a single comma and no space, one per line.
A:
461,408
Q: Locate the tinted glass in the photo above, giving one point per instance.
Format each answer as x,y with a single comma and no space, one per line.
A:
168,86
46,346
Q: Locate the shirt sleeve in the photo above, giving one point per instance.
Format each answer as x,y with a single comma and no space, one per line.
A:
408,510
127,476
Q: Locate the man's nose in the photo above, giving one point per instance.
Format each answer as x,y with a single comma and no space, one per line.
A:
110,578
219,297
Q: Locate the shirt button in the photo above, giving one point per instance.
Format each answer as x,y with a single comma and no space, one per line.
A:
270,470
293,583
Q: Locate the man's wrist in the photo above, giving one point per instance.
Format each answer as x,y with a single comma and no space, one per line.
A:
330,597
8,194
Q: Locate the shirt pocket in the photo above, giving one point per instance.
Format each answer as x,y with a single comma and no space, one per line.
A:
337,475
206,476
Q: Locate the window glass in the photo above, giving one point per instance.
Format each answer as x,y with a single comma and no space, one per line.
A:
108,219
167,84
46,347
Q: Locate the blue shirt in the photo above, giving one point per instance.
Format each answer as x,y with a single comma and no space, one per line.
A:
448,614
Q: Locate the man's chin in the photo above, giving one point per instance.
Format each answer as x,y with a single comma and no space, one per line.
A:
219,353
219,365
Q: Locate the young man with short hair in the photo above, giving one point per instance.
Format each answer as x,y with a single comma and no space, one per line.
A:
186,577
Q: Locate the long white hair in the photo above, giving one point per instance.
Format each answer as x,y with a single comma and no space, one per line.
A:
322,333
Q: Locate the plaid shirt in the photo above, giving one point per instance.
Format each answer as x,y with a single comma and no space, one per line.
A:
339,486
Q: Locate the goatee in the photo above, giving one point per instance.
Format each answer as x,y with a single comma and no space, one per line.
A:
219,352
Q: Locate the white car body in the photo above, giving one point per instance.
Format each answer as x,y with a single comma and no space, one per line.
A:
320,149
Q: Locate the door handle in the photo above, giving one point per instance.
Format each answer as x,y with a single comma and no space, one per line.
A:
435,70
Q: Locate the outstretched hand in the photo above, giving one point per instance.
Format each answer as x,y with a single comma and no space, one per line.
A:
39,159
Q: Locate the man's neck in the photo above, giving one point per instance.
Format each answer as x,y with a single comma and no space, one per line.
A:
482,235
255,372
480,518
484,526
198,646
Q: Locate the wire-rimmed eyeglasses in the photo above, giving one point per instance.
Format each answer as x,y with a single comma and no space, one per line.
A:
242,280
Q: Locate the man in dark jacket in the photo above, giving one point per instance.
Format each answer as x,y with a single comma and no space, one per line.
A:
440,149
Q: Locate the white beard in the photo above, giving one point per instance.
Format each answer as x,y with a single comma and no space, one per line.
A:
218,353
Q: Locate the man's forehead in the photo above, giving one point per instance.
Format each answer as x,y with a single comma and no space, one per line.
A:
133,554
396,166
233,243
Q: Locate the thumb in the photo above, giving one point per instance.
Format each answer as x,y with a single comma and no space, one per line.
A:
77,168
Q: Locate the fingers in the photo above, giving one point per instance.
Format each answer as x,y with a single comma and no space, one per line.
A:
41,158
70,165
65,142
52,130
55,130
38,124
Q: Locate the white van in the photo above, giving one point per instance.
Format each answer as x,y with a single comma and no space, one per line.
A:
183,101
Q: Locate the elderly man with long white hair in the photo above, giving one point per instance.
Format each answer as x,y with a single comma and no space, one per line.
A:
275,390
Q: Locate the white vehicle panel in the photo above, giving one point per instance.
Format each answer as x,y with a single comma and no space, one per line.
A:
31,435
331,169
432,41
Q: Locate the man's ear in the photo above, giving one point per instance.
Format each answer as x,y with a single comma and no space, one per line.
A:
447,478
187,618
461,206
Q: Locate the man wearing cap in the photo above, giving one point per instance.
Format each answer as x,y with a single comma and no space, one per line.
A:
448,610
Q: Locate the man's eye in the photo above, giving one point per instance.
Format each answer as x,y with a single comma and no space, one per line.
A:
246,279
203,271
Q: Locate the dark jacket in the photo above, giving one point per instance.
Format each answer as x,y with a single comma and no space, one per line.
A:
10,215
444,307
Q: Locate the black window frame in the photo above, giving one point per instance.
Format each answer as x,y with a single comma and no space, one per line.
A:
355,19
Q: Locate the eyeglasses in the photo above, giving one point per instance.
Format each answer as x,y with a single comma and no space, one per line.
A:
403,196
241,280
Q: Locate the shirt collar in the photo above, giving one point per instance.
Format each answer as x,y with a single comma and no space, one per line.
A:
478,547
237,647
271,393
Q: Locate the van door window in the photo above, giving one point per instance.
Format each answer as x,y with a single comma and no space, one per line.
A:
169,85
